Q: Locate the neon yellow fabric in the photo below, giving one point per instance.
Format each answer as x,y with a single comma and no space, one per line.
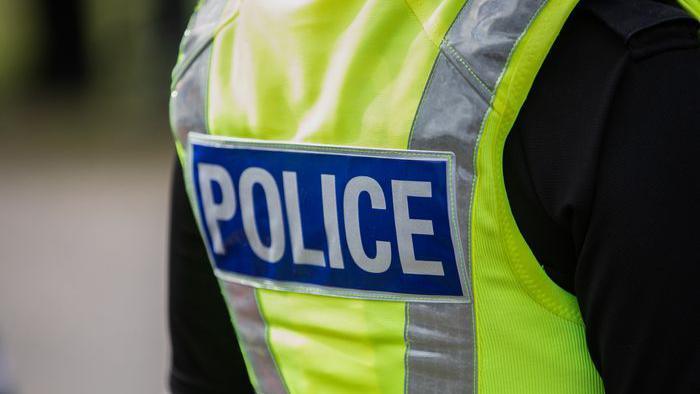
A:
530,338
336,345
692,6
298,71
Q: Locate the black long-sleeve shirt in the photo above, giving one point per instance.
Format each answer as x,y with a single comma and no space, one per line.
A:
603,174
602,170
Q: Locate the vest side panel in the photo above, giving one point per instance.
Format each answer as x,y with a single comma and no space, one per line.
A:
530,338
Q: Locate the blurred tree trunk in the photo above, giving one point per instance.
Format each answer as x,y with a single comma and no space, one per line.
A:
173,15
172,21
65,60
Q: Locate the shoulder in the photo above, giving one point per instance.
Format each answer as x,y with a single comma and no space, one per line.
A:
645,27
616,67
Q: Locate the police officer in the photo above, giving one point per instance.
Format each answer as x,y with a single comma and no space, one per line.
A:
437,196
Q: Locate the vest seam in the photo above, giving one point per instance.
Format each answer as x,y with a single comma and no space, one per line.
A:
516,262
420,23
189,61
207,87
445,43
463,61
180,70
470,235
406,355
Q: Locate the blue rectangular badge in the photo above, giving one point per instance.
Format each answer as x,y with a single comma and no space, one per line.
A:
338,221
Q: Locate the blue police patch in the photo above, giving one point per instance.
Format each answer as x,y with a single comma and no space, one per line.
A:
339,221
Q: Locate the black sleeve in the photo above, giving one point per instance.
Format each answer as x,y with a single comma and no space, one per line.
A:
603,173
206,358
638,269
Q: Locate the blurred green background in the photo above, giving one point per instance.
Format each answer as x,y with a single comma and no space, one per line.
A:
85,163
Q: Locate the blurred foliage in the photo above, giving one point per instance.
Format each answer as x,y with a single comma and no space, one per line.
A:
129,47
124,45
18,36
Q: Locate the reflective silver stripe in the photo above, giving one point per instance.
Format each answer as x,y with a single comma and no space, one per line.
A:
188,98
188,95
441,341
251,330
485,32
199,33
440,348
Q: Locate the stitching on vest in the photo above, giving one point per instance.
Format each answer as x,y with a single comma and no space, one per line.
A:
407,323
460,59
524,278
181,69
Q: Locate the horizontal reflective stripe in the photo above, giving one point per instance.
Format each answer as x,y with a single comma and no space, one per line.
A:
350,222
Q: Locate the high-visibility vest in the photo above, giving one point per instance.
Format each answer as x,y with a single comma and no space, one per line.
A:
435,83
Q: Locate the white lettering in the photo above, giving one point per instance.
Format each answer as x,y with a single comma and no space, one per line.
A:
356,186
249,178
300,254
330,220
213,211
407,227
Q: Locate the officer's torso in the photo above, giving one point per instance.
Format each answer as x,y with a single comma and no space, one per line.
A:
347,177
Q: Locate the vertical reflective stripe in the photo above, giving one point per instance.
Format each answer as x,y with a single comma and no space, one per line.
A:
199,33
252,331
441,342
188,98
441,355
485,33
440,348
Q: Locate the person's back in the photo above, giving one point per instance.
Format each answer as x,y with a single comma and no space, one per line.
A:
395,75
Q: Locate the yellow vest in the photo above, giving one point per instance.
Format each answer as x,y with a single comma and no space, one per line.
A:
413,75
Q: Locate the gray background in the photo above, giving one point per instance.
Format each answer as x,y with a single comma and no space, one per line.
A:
85,166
